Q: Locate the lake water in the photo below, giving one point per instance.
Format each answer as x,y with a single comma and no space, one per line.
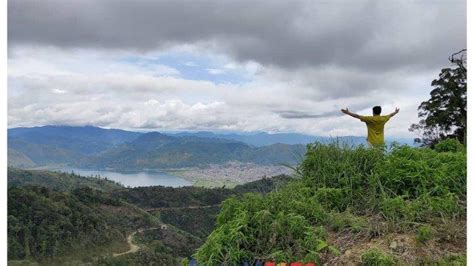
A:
135,179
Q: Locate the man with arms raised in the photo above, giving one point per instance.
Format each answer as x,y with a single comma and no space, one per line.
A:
375,124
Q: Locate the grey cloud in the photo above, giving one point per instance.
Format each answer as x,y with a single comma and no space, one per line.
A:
304,115
372,35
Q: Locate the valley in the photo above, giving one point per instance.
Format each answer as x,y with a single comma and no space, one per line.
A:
57,218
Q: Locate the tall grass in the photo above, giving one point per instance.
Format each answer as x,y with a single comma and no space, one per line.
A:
405,185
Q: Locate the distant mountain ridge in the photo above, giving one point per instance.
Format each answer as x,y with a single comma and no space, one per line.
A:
158,151
99,148
263,139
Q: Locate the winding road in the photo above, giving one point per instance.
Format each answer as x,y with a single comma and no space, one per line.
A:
133,247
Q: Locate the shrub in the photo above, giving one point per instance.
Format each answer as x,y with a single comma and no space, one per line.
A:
396,209
413,172
424,233
406,185
426,207
449,260
332,198
346,220
282,225
340,166
449,145
377,257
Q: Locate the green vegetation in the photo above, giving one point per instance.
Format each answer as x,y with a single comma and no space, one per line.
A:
160,247
338,193
341,188
158,151
375,257
58,218
425,233
214,183
45,224
444,115
97,148
198,221
57,180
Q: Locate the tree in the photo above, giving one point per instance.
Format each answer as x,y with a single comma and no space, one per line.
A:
444,114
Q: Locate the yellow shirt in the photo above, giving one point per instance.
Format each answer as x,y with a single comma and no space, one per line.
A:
375,125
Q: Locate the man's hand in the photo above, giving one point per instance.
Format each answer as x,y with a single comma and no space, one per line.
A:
345,111
396,112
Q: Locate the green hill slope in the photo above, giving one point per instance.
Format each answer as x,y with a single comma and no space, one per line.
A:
57,181
155,150
405,201
58,218
49,226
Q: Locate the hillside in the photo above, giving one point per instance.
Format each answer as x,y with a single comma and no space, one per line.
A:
155,150
57,181
51,145
352,206
84,140
59,218
49,226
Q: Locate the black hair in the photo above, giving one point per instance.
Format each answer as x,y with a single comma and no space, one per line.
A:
377,110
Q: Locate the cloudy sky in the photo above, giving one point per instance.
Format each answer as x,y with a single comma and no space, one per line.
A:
275,66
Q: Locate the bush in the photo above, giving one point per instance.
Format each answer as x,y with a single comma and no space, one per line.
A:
450,145
332,198
282,225
346,220
396,209
413,172
377,257
426,207
340,166
424,233
338,185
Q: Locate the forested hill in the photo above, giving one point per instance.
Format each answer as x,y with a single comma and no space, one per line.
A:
155,150
58,218
57,180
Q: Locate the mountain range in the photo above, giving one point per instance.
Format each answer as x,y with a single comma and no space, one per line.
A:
99,148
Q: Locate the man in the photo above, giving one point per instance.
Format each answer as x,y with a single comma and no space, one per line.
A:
375,124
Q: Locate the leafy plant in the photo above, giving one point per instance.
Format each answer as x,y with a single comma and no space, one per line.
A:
377,257
424,233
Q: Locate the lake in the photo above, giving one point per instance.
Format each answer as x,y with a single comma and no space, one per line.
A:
135,179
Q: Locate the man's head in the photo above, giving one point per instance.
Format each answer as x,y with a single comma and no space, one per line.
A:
377,110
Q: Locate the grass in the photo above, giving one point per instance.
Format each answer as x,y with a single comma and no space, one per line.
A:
375,257
344,189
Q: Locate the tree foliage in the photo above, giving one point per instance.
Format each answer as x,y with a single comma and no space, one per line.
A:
444,114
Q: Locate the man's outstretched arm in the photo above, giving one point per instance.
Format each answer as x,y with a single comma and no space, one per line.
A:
346,111
394,113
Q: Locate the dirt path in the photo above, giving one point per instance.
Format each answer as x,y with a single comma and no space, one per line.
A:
133,247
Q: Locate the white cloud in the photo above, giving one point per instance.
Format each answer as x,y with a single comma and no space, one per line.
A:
215,71
137,99
59,91
190,64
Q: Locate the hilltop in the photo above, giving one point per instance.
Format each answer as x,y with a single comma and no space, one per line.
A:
352,205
